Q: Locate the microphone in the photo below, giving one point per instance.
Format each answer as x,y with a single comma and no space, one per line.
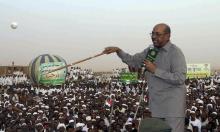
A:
151,56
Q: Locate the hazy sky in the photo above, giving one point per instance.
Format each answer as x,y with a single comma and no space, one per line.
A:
77,29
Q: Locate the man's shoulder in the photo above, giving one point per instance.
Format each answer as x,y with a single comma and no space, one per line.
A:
175,48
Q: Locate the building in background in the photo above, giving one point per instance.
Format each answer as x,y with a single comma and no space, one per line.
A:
14,69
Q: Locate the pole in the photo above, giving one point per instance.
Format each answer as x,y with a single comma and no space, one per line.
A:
74,63
112,108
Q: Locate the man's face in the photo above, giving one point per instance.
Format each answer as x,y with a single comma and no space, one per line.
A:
159,37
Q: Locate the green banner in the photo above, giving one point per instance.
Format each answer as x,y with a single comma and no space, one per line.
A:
129,77
198,70
54,78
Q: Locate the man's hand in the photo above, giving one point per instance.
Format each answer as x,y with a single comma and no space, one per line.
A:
151,67
109,50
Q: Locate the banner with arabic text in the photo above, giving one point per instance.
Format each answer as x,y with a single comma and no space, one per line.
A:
54,78
129,77
198,70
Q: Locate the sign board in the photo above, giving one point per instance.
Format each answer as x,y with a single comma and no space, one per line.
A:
53,78
129,77
198,70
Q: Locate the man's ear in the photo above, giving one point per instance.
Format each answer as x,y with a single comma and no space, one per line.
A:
168,36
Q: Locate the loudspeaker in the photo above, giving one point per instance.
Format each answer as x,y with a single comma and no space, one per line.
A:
154,125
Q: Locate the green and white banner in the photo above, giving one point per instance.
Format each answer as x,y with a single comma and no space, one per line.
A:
53,78
129,77
198,70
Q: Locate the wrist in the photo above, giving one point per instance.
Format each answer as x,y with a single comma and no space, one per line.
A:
118,50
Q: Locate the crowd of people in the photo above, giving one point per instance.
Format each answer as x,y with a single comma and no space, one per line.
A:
13,79
86,103
203,105
76,73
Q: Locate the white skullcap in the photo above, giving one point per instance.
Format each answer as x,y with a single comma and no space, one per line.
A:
188,110
129,120
80,124
214,113
197,100
209,105
193,107
39,124
46,107
65,107
192,112
76,116
131,113
137,103
200,102
9,115
84,106
71,121
23,124
128,123
44,117
93,119
40,111
21,105
88,118
61,125
124,105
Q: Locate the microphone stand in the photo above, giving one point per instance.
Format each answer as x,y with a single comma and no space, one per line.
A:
144,84
142,90
112,108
